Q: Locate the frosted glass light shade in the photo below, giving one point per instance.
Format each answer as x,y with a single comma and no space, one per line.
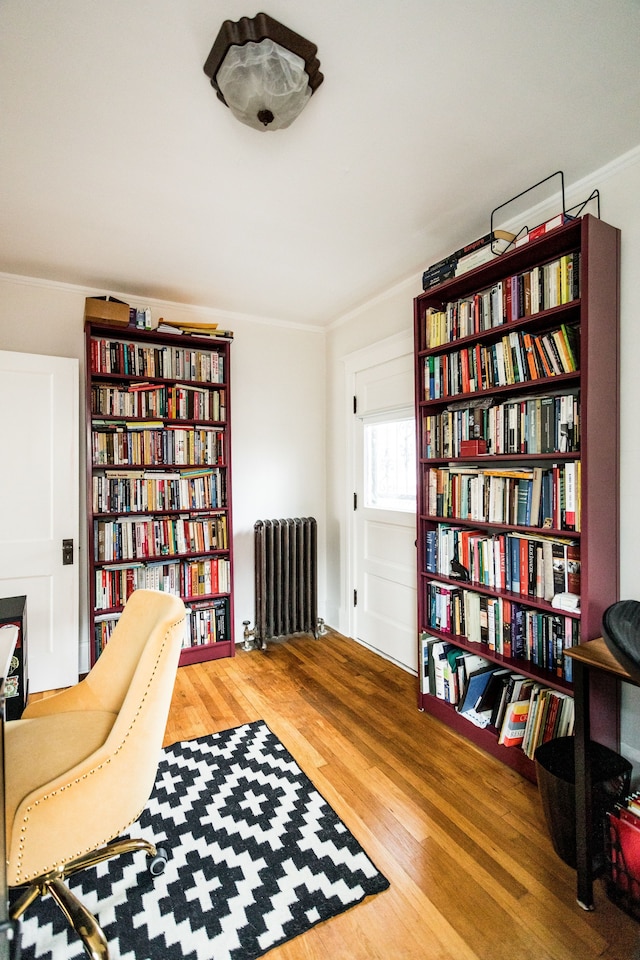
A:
263,71
264,85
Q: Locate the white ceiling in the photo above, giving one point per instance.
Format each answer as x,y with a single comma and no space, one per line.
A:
120,169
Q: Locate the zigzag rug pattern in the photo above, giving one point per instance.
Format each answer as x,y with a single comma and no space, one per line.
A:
256,857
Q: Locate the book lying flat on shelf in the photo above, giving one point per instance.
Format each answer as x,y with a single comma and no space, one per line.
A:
500,241
543,228
196,329
482,249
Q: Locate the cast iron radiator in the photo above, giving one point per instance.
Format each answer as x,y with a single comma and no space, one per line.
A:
286,575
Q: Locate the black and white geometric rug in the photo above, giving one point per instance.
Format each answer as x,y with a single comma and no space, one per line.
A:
256,857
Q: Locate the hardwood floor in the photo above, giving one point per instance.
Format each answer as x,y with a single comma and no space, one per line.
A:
461,838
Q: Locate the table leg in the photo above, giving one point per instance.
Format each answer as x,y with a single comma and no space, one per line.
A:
584,812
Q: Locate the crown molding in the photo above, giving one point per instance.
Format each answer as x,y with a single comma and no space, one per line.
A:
224,317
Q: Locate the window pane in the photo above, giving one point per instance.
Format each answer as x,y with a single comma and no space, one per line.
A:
390,465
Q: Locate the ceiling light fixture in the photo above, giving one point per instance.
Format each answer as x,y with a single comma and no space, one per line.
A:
264,72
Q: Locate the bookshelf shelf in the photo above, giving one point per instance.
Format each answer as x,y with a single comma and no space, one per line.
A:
566,313
552,383
534,602
159,480
521,355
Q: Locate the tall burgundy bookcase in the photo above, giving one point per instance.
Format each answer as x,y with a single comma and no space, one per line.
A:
590,312
158,416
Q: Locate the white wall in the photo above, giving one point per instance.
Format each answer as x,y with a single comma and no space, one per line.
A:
277,409
619,186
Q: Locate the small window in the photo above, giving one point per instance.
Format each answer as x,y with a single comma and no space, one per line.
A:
390,464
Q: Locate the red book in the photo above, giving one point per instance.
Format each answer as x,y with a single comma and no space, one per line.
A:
524,565
506,627
573,568
477,303
465,371
552,715
506,300
542,229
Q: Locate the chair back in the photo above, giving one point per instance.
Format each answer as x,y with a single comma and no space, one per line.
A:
84,762
139,666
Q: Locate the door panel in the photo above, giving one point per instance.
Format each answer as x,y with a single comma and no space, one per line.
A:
39,507
386,605
387,544
385,386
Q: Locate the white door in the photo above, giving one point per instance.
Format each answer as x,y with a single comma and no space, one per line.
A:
39,508
384,528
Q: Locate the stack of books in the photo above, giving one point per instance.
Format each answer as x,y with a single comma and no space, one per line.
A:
196,329
472,255
543,228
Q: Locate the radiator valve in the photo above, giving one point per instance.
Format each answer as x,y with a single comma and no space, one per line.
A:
248,634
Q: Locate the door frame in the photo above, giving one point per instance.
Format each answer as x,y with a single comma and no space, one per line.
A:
391,348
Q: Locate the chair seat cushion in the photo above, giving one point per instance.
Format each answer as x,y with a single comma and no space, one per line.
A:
38,751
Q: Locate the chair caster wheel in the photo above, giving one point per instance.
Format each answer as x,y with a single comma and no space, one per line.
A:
159,862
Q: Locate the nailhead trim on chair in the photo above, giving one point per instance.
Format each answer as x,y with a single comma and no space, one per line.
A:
23,830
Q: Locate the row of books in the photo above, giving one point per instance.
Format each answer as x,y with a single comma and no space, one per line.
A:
532,425
524,712
146,444
201,578
189,579
147,400
506,627
205,622
522,295
128,539
534,566
516,358
535,715
136,491
131,359
529,496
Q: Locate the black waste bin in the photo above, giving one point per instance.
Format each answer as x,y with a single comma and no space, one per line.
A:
555,769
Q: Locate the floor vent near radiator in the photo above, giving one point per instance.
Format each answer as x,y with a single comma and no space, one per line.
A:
286,580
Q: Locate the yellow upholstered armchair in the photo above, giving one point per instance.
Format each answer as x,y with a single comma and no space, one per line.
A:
81,765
